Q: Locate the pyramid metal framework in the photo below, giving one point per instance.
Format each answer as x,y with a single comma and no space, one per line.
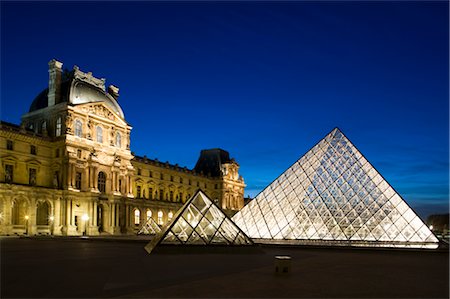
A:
333,196
200,222
150,227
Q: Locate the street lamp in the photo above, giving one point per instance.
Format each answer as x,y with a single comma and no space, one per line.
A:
85,218
52,218
26,224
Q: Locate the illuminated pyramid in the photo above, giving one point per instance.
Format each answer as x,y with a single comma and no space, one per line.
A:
200,222
150,227
333,196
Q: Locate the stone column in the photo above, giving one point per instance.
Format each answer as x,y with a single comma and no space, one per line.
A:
95,178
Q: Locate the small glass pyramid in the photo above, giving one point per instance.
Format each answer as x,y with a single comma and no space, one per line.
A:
150,227
333,195
200,222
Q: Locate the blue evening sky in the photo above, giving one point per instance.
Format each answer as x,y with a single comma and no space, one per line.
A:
263,80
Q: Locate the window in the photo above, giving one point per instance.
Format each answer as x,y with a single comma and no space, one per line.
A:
137,217
138,191
78,180
171,178
215,186
170,216
99,134
9,145
150,174
149,214
181,180
79,154
160,217
44,126
58,127
57,153
8,173
32,177
42,213
189,181
32,149
162,176
150,193
139,171
118,140
198,184
120,185
161,194
78,128
171,196
102,181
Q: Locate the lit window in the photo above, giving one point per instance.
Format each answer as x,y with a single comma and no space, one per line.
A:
78,128
32,177
118,140
99,134
149,214
160,217
101,181
58,126
170,216
137,217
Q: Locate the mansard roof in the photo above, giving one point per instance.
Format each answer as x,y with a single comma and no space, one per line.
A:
211,160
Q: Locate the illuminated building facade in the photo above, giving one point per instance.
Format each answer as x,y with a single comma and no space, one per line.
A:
333,196
68,169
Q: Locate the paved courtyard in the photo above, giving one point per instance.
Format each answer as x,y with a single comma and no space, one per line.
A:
64,267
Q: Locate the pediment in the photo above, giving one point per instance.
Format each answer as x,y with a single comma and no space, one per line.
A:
102,111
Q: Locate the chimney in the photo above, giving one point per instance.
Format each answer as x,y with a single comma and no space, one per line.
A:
54,82
114,91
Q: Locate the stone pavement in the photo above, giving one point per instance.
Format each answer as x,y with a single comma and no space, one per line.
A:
120,267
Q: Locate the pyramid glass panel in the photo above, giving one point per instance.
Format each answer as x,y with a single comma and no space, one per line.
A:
201,222
150,227
336,195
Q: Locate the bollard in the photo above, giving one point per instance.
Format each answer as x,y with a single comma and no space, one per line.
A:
282,264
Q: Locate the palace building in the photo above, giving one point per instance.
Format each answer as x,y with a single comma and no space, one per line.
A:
67,169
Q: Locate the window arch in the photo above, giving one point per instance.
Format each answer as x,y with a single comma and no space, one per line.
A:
102,181
118,139
58,126
19,212
78,128
99,134
149,214
137,217
42,213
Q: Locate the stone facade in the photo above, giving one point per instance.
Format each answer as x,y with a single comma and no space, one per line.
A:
68,169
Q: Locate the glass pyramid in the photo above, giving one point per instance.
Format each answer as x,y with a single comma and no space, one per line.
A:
149,228
333,196
200,222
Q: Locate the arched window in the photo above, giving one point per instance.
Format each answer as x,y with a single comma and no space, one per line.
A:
118,140
160,217
99,134
19,212
137,217
78,128
58,127
42,213
102,181
149,214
